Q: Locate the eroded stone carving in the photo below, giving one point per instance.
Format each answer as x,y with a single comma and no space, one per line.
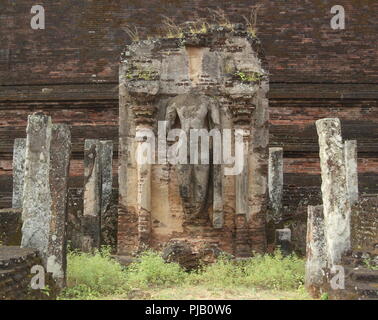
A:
194,111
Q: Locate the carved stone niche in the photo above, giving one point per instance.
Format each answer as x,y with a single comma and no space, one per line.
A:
208,81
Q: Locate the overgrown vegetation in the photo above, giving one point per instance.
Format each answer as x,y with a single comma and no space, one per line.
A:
92,276
215,17
97,276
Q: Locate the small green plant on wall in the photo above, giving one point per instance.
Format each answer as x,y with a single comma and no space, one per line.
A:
141,75
249,77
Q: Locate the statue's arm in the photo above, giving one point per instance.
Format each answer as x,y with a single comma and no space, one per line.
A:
214,113
170,115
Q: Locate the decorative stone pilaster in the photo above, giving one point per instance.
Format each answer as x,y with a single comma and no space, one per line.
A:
143,115
275,181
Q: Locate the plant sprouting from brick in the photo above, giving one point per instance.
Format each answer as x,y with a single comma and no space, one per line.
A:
251,20
219,17
133,33
171,29
249,77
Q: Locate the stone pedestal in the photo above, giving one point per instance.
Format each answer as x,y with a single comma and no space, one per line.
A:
336,205
283,241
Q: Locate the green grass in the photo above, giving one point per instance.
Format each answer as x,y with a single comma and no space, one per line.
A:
98,276
92,276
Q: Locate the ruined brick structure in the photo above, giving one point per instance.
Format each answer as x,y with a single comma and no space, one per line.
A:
198,81
70,71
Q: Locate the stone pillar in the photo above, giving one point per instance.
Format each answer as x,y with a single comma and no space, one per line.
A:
18,172
92,196
336,203
350,151
316,253
44,212
106,165
283,241
60,152
275,182
36,213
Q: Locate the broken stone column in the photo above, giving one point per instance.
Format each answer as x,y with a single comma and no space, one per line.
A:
275,182
60,152
36,213
18,172
350,152
283,241
92,196
316,253
44,214
336,203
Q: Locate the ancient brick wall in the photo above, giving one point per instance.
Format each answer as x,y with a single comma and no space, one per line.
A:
69,70
365,225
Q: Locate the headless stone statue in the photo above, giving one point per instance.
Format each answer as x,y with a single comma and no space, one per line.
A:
195,111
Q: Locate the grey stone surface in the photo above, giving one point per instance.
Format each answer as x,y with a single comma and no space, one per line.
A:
316,253
19,150
350,152
60,152
337,210
92,196
36,209
275,182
